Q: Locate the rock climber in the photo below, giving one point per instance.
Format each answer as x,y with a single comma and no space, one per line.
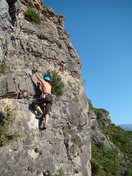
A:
46,97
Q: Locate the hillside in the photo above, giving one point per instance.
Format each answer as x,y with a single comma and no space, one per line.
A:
111,146
32,35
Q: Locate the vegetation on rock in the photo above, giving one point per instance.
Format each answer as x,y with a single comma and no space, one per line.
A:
56,83
76,143
2,68
46,6
76,140
105,161
123,140
61,173
32,16
7,118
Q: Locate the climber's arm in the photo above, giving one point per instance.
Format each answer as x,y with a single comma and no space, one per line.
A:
38,77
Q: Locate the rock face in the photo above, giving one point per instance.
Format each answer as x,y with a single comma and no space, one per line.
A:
47,47
96,128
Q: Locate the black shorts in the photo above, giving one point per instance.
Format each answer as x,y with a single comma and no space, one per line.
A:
48,100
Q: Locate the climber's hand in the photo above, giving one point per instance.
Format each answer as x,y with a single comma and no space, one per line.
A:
34,70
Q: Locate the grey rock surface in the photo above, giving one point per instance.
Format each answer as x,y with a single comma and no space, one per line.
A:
96,131
4,10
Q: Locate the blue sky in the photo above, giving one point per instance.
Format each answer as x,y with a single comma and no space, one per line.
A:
101,32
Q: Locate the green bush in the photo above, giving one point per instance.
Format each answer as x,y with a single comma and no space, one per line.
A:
76,140
72,121
2,68
104,160
119,137
46,6
96,168
32,16
73,148
76,99
91,108
61,173
76,143
6,123
56,83
123,140
130,170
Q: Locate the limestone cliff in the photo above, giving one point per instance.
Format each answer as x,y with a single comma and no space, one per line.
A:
24,45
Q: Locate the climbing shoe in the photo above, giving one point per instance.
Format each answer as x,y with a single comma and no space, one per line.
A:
43,126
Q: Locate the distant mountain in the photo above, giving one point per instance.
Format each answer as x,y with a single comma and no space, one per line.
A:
127,127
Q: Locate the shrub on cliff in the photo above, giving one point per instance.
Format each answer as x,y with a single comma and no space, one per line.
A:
76,142
32,16
104,160
45,6
2,67
7,118
61,173
122,139
56,83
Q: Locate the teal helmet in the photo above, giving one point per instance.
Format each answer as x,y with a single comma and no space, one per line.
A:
47,78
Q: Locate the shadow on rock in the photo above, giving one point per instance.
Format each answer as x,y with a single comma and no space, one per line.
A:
35,101
40,119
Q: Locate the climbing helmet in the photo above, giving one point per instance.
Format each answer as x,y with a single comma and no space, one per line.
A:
47,78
